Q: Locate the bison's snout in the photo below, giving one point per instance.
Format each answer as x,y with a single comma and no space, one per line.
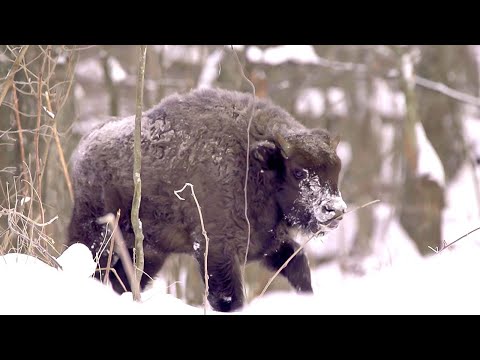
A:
334,209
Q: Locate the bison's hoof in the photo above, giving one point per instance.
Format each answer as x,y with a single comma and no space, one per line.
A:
225,303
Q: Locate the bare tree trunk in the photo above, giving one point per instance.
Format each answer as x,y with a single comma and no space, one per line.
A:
111,88
422,203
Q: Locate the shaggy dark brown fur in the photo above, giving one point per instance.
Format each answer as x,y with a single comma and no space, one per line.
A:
200,138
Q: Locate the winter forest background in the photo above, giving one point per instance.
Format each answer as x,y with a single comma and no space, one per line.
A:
408,118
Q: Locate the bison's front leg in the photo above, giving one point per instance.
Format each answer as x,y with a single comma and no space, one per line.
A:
224,280
297,271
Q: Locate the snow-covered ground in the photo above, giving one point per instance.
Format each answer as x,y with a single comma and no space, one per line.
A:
446,283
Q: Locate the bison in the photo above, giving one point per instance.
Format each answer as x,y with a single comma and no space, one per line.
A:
201,138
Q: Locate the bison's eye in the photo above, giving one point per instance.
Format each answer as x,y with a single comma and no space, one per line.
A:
299,174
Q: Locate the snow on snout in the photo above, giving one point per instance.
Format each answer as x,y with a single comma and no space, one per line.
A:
335,203
316,197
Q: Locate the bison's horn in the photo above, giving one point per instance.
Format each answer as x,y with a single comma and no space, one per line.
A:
335,141
285,147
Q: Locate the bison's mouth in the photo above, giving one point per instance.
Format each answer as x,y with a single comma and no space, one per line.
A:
332,224
325,227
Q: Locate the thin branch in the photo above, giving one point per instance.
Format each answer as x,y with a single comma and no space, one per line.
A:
137,164
37,135
62,157
110,252
30,208
49,138
307,241
204,233
78,48
12,106
120,248
247,166
116,275
112,243
20,137
420,81
448,91
54,127
13,211
8,82
445,245
341,65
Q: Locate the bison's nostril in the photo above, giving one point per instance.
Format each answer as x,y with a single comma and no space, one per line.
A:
333,210
327,209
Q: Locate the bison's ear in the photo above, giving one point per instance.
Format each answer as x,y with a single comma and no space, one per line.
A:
264,152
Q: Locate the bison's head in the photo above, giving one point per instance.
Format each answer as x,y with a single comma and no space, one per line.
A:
304,169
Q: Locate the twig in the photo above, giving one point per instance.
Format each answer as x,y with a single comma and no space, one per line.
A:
49,138
204,233
40,204
8,82
20,136
38,170
120,248
37,133
340,65
112,243
38,176
252,106
116,274
448,91
13,211
307,241
60,153
137,195
445,245
71,73
28,232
